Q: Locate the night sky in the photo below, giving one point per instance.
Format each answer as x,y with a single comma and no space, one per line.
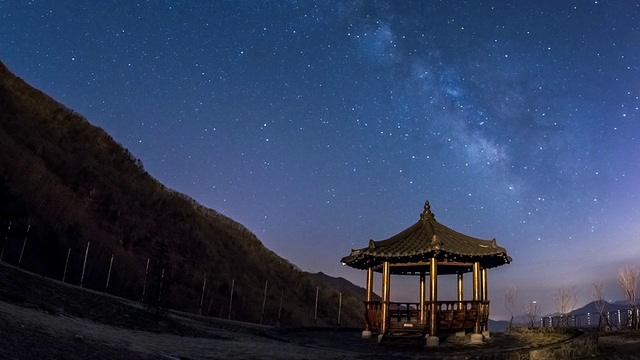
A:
322,125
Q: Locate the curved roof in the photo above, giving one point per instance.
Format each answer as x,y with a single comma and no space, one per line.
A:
411,250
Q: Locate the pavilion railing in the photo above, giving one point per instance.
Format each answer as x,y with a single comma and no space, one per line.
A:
373,315
450,315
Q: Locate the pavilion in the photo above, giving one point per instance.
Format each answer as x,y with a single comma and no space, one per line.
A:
428,247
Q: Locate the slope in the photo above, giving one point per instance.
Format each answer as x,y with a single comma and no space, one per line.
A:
67,188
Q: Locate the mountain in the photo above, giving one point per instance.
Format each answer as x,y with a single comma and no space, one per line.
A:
498,326
68,189
342,285
608,307
621,303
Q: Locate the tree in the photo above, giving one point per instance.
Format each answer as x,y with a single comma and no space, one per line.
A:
532,311
565,301
628,280
510,302
597,292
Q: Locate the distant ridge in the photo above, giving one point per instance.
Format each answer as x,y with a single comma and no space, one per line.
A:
342,285
608,307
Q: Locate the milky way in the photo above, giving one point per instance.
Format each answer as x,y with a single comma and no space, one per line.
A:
322,125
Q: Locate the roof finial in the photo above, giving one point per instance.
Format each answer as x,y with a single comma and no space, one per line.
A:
426,213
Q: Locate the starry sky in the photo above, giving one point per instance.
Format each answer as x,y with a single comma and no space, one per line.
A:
321,125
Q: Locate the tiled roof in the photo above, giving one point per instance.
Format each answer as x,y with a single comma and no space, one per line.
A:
422,241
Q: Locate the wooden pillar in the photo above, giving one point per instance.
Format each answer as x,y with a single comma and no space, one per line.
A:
386,277
460,288
369,283
477,296
476,281
367,329
485,297
423,313
433,295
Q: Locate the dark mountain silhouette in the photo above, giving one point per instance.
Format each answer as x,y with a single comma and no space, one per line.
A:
592,308
342,285
498,326
608,307
66,186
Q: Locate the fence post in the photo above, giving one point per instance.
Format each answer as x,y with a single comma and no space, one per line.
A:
109,274
144,284
315,311
233,283
204,284
264,300
280,308
6,239
24,243
160,291
339,307
64,273
6,236
84,265
209,307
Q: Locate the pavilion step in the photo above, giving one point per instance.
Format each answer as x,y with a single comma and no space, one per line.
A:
401,336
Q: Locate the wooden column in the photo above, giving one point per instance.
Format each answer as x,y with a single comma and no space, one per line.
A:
477,296
369,283
476,281
367,328
485,296
460,288
423,313
386,277
433,295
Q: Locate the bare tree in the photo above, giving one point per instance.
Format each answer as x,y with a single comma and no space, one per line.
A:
597,292
532,311
565,300
628,280
510,302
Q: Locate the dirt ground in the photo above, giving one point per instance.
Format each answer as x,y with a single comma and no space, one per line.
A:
46,319
619,345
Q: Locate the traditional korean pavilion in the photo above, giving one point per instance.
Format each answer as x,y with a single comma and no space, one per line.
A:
428,248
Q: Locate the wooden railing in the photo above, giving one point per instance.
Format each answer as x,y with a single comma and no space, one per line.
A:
373,315
450,315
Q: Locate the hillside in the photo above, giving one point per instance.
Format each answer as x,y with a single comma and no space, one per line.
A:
342,285
68,188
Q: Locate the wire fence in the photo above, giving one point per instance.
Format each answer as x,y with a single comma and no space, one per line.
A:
618,319
12,258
